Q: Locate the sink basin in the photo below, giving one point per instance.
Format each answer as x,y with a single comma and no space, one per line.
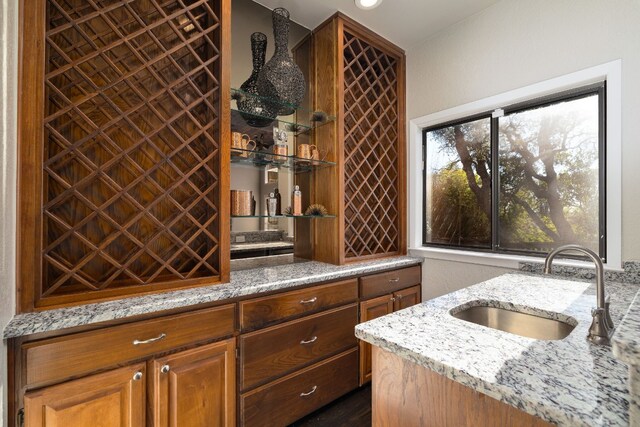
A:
515,322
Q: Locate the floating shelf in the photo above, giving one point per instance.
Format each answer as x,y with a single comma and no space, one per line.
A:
298,123
261,158
283,216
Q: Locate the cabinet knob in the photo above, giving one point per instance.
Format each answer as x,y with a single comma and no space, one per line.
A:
137,376
313,390
399,296
165,369
392,299
309,341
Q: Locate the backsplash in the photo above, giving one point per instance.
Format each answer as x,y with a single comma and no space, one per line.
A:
631,273
257,236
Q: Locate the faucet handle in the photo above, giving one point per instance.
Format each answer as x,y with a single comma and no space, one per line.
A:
607,314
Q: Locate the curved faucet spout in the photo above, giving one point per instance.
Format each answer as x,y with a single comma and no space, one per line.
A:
602,324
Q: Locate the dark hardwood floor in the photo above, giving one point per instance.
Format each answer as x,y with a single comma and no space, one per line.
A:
353,410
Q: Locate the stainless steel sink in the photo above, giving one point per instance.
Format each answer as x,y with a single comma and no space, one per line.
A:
515,322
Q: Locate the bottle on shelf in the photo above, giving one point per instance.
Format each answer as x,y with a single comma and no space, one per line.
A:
278,202
272,204
296,201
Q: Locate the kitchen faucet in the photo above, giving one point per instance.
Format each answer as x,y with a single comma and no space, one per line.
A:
601,325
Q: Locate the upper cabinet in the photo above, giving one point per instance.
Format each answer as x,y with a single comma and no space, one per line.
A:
124,130
360,78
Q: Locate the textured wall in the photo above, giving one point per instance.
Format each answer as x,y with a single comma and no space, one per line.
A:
8,106
515,43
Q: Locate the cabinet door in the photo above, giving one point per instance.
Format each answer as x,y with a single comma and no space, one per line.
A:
406,298
370,310
196,387
111,399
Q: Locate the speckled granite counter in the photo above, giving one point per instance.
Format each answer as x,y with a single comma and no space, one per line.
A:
243,283
626,347
568,382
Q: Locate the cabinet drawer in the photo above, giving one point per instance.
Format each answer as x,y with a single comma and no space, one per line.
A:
279,350
290,398
389,281
60,358
262,312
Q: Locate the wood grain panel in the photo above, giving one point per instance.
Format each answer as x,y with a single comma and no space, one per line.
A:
369,310
112,398
283,401
281,349
389,281
195,388
58,359
122,175
261,312
405,298
410,395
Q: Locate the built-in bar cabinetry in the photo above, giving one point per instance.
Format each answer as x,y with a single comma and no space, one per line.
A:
266,360
123,157
359,77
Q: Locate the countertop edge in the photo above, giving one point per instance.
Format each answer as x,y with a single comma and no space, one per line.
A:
625,342
502,394
95,313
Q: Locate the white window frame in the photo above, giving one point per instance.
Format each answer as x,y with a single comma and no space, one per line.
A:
612,73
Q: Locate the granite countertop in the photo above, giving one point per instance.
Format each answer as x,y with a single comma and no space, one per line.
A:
567,382
244,283
626,339
240,247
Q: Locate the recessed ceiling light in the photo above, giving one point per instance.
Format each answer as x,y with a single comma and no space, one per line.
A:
368,4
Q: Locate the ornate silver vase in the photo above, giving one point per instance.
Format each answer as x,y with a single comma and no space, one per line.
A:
281,78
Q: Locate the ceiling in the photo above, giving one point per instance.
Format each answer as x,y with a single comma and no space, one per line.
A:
403,22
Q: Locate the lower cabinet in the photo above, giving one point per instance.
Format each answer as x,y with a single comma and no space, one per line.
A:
307,358
193,388
114,398
397,295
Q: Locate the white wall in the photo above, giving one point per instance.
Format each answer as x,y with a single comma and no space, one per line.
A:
515,43
8,89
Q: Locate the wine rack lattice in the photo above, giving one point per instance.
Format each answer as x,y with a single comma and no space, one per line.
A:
130,144
370,150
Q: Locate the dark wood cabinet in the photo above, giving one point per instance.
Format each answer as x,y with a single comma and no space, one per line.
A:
396,296
123,164
195,387
114,398
359,77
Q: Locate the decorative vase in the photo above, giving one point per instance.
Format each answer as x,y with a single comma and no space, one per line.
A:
281,78
253,109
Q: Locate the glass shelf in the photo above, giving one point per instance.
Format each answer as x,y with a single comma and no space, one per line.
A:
283,216
262,158
298,123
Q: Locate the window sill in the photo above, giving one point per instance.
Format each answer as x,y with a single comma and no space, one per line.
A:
494,260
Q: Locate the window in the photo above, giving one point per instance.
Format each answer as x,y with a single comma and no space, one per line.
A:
522,180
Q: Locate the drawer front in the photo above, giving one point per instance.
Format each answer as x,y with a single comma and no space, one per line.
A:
61,358
279,350
261,312
389,281
288,399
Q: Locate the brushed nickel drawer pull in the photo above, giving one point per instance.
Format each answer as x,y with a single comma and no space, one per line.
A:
312,340
396,280
137,376
313,390
309,301
150,340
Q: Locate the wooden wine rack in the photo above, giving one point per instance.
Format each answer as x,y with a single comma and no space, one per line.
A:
371,150
128,187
